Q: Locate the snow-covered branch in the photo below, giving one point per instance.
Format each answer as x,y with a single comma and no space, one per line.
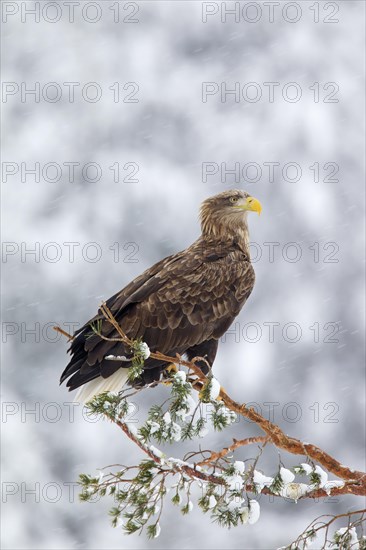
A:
228,487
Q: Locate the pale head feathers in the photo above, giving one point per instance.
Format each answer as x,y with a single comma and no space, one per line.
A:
222,219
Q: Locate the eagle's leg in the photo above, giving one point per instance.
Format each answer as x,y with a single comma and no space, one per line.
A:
207,350
171,368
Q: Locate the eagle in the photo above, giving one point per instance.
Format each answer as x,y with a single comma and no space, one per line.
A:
181,305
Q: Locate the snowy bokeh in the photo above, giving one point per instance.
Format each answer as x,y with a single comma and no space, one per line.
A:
296,351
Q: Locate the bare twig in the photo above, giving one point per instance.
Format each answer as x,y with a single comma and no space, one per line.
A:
320,523
235,445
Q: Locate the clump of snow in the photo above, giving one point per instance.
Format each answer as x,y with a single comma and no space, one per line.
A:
295,490
261,481
172,461
235,482
153,426
167,418
157,530
188,407
254,512
322,474
203,431
332,484
176,431
144,349
235,503
229,416
212,502
239,467
244,514
157,452
180,376
131,409
308,469
286,475
214,389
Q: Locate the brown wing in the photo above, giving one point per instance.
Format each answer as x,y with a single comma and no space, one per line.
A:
180,302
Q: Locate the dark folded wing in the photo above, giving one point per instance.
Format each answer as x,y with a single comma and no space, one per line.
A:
180,302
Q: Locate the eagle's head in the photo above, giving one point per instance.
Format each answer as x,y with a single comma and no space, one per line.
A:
226,213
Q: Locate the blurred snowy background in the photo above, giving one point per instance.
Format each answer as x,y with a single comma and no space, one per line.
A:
312,378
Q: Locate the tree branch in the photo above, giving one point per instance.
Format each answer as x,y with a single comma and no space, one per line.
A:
274,434
195,471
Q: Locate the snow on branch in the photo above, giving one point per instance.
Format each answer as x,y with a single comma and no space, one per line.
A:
228,487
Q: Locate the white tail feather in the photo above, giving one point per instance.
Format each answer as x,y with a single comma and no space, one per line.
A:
115,382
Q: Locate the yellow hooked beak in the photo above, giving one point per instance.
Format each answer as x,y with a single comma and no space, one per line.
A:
252,205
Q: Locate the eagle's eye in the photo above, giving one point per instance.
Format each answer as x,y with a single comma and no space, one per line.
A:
234,199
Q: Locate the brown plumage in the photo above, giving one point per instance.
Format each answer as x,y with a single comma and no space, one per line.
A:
182,304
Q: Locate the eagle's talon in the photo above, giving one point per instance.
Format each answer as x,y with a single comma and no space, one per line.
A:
172,368
168,372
